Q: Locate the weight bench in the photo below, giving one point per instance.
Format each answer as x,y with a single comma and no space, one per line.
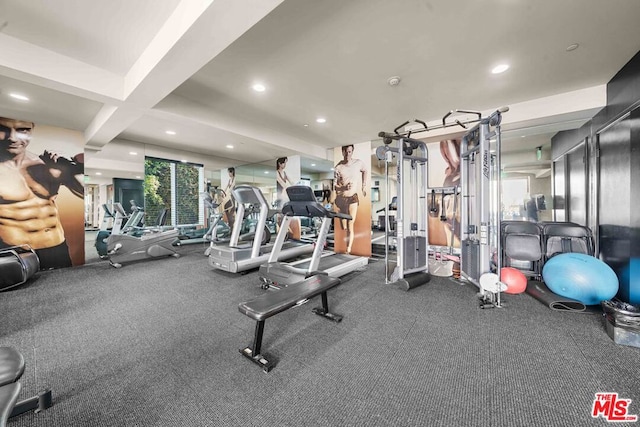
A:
272,303
11,369
17,265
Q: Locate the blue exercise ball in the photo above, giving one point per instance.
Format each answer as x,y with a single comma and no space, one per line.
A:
580,277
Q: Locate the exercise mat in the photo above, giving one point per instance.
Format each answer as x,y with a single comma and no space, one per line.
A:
539,291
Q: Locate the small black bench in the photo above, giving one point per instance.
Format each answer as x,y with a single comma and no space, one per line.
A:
17,265
11,369
274,302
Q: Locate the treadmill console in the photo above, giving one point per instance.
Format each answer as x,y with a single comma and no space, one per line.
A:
301,193
302,202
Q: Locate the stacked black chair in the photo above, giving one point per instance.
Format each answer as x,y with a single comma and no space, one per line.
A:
522,247
566,237
528,245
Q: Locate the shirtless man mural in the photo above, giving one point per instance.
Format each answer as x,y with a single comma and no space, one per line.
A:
350,177
28,191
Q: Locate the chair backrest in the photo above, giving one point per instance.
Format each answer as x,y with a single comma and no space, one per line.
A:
567,238
522,246
524,252
526,227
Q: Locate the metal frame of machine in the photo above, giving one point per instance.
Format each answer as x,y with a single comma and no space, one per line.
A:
237,256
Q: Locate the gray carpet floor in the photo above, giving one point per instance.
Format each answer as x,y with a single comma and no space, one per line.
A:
156,344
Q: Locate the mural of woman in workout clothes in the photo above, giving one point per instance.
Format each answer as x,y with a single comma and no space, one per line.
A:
228,205
282,182
352,196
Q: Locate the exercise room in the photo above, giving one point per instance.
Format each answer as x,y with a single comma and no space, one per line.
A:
319,213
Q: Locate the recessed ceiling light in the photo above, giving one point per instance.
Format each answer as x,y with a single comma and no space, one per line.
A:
229,146
183,161
98,173
170,132
394,81
313,164
258,87
333,169
266,172
133,153
500,68
321,120
138,176
18,96
306,125
573,46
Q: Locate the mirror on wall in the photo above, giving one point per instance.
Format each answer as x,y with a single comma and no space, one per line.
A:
526,173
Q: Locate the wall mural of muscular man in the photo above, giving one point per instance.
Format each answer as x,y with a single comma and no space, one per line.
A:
352,181
41,195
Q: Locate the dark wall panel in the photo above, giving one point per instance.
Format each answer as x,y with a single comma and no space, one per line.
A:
614,204
623,91
559,205
576,176
564,141
616,176
125,190
632,293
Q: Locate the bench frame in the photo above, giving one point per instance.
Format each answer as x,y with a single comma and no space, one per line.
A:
253,352
37,403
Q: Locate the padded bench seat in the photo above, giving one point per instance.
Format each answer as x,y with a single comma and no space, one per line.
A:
11,365
274,302
8,398
17,265
11,369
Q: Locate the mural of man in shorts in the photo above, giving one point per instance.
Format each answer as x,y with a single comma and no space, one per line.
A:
350,178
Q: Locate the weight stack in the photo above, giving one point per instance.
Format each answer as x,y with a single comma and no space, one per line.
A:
469,259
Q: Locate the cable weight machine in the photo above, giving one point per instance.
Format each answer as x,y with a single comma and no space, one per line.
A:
480,178
411,267
480,203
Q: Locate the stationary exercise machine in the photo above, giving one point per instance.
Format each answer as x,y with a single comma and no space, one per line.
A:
121,223
219,232
411,265
240,256
136,243
480,177
480,190
303,203
106,228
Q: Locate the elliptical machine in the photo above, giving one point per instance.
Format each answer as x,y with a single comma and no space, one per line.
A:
122,223
153,243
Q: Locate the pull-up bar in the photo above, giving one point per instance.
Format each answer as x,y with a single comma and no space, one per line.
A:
425,128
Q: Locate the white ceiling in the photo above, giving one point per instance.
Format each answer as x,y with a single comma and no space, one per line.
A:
129,70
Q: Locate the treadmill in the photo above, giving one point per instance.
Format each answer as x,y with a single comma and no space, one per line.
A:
302,202
240,256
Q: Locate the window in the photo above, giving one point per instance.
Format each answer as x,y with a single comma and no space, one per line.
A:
515,193
175,186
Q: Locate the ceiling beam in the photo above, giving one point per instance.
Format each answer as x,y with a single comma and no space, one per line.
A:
194,34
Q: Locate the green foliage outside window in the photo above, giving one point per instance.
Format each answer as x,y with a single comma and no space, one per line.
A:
157,191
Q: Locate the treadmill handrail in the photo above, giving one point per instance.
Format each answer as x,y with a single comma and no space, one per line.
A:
249,195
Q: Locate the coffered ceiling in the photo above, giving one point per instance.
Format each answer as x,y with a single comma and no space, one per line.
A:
131,70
